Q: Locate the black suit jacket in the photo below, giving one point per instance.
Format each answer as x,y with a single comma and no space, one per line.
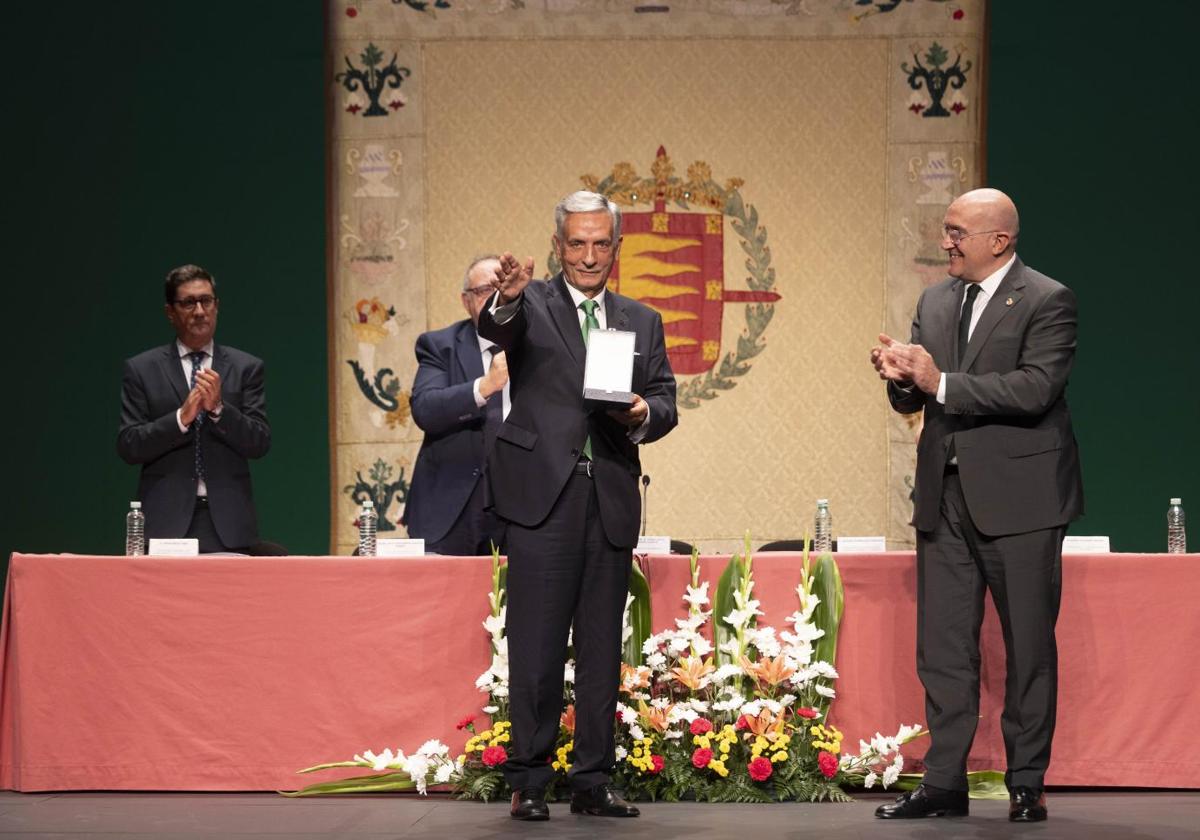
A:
450,462
1006,407
153,387
539,444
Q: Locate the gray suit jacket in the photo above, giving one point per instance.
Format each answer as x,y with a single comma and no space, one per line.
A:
152,388
1006,408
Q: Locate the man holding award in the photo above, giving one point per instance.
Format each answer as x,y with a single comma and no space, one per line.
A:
564,475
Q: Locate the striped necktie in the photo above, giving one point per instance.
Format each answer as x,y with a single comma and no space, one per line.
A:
197,361
590,322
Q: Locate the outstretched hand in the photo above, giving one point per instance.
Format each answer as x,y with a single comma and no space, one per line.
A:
512,277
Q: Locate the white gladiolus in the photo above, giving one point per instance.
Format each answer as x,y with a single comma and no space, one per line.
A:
869,781
890,775
697,597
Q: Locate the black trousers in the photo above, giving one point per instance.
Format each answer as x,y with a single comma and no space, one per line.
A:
561,572
201,528
473,533
955,565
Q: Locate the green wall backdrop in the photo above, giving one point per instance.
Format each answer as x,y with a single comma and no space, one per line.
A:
1091,130
143,135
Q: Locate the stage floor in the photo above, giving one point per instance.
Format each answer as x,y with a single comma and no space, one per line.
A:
1093,815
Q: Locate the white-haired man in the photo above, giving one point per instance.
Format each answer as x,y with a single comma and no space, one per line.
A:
564,475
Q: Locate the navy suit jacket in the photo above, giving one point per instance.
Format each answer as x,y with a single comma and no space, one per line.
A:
539,443
153,387
450,462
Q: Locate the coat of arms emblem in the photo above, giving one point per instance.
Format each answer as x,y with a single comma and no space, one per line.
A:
674,262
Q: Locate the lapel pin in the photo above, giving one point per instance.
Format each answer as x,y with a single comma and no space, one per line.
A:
1008,302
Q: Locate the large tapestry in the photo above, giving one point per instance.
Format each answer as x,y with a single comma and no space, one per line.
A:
783,165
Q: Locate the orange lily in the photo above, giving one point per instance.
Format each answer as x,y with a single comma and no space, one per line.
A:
634,678
568,718
692,671
654,716
765,724
768,671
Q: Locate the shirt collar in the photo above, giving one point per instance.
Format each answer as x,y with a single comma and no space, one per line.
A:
578,297
992,282
484,344
185,351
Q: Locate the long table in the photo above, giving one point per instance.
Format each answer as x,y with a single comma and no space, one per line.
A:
230,673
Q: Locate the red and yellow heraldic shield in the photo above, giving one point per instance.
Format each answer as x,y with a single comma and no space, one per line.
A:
674,263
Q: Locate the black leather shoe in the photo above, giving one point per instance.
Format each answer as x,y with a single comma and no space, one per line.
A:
926,801
530,804
602,801
1026,804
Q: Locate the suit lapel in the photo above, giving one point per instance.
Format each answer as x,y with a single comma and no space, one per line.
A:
953,311
615,315
1006,297
466,348
562,313
173,369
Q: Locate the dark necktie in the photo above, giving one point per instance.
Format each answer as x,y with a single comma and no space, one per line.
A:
197,360
964,321
493,409
590,322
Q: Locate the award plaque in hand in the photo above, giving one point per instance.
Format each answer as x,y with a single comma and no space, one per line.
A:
608,374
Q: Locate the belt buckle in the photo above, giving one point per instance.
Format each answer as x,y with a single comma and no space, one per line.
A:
589,468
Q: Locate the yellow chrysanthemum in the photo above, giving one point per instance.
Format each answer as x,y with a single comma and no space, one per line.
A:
779,756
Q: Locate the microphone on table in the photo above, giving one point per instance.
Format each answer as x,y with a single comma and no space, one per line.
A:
645,488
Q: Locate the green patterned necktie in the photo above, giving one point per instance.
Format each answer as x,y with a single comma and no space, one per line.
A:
590,322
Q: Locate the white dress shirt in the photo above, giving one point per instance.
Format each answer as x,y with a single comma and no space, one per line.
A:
987,288
185,362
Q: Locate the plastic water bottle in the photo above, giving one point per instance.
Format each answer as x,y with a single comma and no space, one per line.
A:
368,521
822,528
1176,533
135,531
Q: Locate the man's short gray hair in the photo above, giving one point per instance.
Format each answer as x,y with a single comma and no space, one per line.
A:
586,202
466,284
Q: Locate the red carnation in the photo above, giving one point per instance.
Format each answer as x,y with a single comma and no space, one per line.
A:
494,756
659,763
760,769
701,757
465,722
742,722
701,726
828,763
959,14
807,713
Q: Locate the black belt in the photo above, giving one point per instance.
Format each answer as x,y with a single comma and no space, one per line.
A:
951,469
584,467
202,501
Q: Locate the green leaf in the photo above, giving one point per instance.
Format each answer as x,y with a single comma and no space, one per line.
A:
723,603
937,55
331,764
639,616
372,55
987,784
359,784
827,585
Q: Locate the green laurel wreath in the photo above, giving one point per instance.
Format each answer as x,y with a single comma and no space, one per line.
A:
744,218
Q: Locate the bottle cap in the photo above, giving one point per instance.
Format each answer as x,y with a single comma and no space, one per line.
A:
368,504
138,505
1177,501
822,502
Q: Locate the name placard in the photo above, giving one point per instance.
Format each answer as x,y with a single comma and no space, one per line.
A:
653,545
608,374
181,547
861,545
399,548
1086,545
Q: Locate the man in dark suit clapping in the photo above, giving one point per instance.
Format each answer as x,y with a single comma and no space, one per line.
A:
997,482
564,475
459,399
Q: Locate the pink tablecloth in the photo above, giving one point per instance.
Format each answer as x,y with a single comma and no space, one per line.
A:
231,673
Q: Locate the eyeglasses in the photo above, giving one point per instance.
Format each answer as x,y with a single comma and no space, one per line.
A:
480,291
206,303
955,235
